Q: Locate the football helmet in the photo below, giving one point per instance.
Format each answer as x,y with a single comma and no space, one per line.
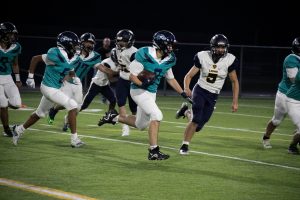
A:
165,41
87,37
8,33
296,46
125,39
218,41
69,41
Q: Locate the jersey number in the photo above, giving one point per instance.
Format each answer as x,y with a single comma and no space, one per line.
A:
211,77
4,64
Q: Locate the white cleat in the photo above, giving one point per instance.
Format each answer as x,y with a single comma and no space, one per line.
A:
76,143
16,136
266,144
125,130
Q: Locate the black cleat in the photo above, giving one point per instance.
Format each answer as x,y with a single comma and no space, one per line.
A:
184,149
108,118
293,149
155,154
7,132
180,113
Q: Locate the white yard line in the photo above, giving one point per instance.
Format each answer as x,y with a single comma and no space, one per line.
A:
176,149
58,194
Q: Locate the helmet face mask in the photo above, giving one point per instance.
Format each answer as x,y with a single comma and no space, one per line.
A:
69,41
296,46
87,42
165,41
8,33
124,39
219,47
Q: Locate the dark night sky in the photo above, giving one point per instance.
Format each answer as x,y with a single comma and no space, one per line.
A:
249,22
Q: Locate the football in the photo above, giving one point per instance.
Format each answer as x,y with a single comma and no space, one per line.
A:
145,74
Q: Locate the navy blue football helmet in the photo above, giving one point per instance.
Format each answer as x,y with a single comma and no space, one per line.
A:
127,36
8,33
296,46
165,41
218,41
69,41
87,37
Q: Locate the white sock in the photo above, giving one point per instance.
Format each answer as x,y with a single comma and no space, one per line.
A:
74,136
185,142
66,119
20,129
116,119
153,147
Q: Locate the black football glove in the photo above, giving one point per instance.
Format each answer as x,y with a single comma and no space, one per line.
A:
186,97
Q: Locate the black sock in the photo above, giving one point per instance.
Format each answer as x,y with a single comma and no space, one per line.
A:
266,137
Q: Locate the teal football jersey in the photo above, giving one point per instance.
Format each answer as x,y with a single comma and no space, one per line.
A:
291,61
7,59
54,74
294,91
150,64
85,64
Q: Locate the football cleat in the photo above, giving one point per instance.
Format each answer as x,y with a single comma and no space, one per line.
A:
180,113
184,149
108,118
155,154
65,127
16,136
51,116
76,143
7,133
293,149
266,143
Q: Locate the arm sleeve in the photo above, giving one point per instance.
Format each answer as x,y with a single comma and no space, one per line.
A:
169,74
233,66
135,67
197,61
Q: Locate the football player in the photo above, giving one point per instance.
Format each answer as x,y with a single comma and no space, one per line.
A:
122,55
159,60
214,66
88,59
9,92
291,66
60,62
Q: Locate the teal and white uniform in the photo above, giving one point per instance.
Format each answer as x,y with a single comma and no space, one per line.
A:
290,66
9,92
146,58
293,96
73,88
58,66
54,74
85,64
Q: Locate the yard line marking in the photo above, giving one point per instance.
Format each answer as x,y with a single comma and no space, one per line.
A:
225,128
43,190
172,148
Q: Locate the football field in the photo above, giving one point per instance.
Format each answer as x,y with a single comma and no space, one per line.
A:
226,159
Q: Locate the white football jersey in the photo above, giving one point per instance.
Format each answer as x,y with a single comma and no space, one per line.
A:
101,78
124,60
212,75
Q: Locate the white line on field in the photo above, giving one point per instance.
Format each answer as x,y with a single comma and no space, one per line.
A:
59,194
176,149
